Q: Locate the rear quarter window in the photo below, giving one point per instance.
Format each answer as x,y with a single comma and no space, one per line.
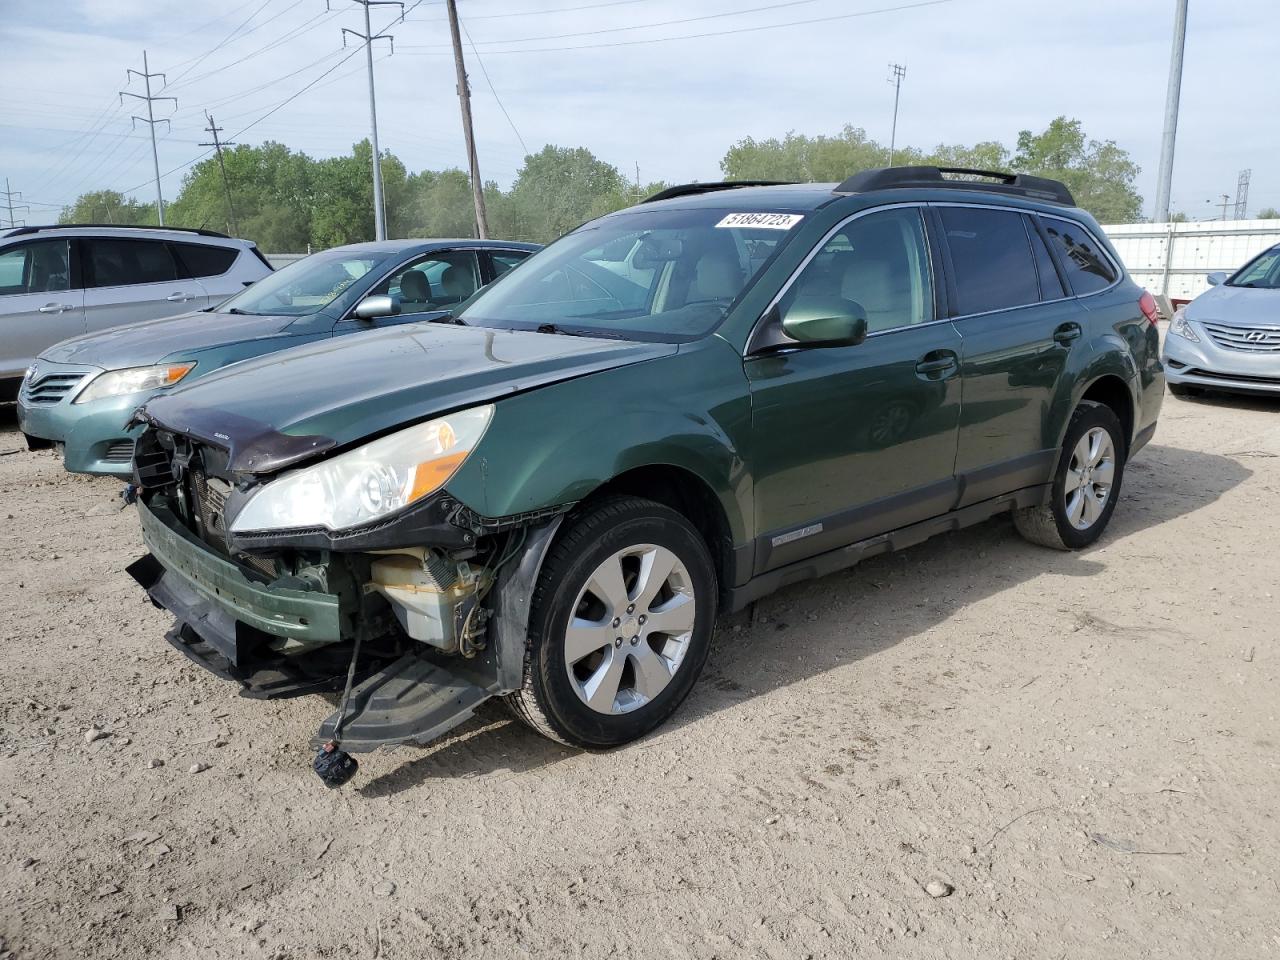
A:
1088,269
205,260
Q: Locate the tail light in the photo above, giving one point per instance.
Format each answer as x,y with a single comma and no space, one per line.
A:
1147,304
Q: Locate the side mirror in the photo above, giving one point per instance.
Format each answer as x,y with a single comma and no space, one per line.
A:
381,305
1217,277
824,323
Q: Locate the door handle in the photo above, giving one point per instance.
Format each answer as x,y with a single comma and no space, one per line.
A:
1067,332
937,365
55,307
178,297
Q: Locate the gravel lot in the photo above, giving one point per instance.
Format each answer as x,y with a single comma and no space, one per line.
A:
1084,746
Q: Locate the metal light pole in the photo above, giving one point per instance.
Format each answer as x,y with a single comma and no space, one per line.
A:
379,212
151,122
899,71
1164,182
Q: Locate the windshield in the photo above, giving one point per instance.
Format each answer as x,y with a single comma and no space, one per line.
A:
1263,272
304,287
652,275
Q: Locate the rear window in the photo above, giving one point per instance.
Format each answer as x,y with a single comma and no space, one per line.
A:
991,257
1088,269
203,260
120,263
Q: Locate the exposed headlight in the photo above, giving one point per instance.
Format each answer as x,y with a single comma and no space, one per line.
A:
370,482
116,383
1179,326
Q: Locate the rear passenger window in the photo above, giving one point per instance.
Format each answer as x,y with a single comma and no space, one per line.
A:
502,262
991,257
120,263
880,263
1050,283
203,260
1088,270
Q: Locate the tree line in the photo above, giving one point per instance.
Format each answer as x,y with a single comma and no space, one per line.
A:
287,201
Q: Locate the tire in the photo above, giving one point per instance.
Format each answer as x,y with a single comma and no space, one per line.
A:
1183,392
1067,522
620,674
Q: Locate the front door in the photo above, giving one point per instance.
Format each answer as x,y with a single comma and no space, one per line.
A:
39,304
426,286
852,441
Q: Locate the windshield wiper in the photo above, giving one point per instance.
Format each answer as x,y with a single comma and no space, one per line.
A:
447,317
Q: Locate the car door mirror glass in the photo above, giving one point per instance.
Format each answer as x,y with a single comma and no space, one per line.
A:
825,322
379,305
1216,278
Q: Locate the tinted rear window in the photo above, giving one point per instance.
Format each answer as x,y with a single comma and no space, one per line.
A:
203,260
991,257
119,263
1088,270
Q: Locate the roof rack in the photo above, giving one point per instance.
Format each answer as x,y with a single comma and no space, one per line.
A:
20,231
690,189
1021,184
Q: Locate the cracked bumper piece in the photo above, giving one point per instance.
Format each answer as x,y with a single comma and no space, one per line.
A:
216,599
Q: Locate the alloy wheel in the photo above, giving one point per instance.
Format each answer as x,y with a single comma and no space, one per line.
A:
1089,478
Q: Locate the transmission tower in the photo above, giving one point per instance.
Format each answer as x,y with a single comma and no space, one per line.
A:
1242,194
217,145
367,38
151,122
8,197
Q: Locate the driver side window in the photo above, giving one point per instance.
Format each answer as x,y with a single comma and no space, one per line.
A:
437,281
878,263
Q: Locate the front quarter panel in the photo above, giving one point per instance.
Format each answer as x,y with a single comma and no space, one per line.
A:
556,445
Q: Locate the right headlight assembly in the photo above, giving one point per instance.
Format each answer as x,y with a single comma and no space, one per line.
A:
1180,327
370,482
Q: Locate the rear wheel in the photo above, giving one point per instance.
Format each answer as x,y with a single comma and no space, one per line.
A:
1086,485
620,624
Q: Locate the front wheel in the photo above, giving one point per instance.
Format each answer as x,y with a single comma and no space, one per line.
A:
620,624
1085,486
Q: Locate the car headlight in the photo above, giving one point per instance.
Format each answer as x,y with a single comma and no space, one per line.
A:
117,383
1179,326
369,482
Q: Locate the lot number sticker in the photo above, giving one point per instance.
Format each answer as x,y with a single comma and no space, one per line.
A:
762,221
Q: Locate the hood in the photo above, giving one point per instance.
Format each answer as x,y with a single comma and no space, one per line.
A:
293,405
1237,306
152,341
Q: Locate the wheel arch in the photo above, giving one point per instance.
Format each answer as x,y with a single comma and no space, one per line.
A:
1117,394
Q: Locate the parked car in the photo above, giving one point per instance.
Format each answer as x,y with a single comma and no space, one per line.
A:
552,499
64,281
80,393
1228,338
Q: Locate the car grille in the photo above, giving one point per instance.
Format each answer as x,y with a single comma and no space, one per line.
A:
209,501
49,387
1248,339
119,452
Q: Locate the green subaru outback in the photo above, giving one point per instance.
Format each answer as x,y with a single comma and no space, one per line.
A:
665,415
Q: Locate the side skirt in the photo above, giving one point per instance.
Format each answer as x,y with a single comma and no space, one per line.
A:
908,536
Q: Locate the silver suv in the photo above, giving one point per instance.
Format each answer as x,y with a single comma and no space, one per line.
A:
63,281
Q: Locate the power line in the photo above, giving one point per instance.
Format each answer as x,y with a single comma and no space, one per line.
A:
494,91
714,33
151,122
223,42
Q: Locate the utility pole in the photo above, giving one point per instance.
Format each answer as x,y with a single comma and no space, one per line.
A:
1242,194
1226,202
464,98
9,197
217,146
151,122
897,71
1164,181
379,211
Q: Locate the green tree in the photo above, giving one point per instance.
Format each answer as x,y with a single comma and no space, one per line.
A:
1099,173
556,189
808,159
109,206
1269,213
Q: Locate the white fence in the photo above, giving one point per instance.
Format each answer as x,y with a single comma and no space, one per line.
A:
1173,258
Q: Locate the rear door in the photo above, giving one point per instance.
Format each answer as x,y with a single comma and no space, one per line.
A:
208,265
40,303
1018,326
498,262
849,442
128,280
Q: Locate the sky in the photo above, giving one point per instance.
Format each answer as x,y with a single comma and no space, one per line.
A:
665,84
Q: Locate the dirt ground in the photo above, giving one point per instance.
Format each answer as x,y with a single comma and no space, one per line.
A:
1083,745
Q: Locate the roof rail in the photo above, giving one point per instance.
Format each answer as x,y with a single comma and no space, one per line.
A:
690,189
1021,184
20,231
